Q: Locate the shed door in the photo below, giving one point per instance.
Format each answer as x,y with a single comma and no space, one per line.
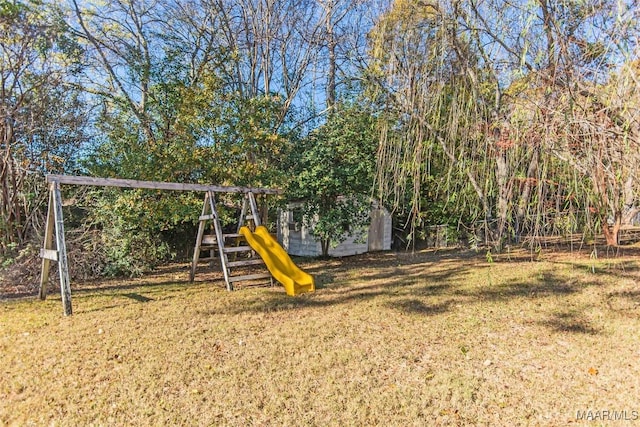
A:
376,230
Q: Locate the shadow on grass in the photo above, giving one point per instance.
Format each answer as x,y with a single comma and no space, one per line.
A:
402,284
8,296
138,297
323,280
630,295
571,322
156,287
617,269
407,285
541,286
141,293
625,303
415,306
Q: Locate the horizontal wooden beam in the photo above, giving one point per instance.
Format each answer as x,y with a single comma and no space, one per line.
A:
249,277
233,249
154,185
253,261
50,254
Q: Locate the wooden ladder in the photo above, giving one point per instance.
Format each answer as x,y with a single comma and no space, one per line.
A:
219,242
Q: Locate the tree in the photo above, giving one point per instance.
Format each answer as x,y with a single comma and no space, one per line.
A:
42,118
334,173
423,75
596,133
578,100
171,109
486,94
340,43
271,44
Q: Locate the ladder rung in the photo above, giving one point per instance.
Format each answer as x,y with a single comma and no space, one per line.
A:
208,247
254,261
207,217
249,217
237,249
209,239
232,235
249,277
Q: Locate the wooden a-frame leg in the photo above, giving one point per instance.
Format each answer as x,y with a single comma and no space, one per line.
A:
63,265
224,261
196,250
254,209
48,246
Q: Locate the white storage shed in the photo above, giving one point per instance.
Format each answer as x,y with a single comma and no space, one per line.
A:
297,239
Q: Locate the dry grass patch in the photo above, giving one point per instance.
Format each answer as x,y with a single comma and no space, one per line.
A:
401,339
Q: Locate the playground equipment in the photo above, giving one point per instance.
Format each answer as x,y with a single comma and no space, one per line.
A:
280,265
293,279
223,243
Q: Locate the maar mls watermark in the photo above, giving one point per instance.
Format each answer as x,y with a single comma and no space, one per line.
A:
607,415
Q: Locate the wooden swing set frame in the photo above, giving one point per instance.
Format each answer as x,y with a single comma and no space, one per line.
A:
55,221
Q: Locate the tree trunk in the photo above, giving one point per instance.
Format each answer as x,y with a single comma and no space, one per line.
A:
612,232
331,45
630,208
11,216
502,175
526,189
324,244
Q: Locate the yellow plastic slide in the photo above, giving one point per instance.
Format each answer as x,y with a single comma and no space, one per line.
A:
278,261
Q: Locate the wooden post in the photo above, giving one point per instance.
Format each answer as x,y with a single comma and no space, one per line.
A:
224,261
243,213
196,251
264,210
48,246
254,209
63,265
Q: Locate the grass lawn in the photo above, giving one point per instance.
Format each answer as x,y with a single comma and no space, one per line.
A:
387,339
